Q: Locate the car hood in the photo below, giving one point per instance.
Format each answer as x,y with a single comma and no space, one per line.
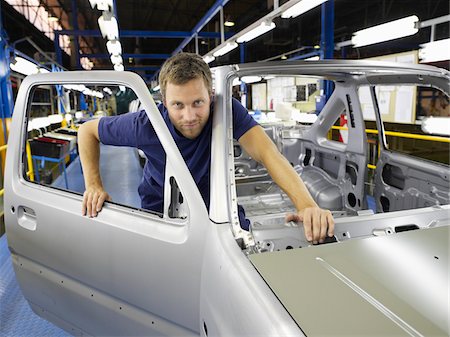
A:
392,285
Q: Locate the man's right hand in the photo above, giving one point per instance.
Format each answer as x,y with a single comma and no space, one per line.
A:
93,199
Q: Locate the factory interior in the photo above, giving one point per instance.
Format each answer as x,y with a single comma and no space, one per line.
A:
116,37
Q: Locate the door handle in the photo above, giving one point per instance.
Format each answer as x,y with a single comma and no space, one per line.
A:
26,218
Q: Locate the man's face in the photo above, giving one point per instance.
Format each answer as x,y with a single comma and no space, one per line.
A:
188,106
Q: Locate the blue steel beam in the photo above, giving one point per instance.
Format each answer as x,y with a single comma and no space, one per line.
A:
143,33
304,56
6,97
327,32
203,21
136,56
327,41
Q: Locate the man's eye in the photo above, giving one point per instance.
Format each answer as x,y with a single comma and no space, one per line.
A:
178,105
198,103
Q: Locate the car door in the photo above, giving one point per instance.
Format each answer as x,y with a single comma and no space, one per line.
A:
125,272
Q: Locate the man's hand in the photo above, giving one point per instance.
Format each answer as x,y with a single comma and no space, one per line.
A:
93,199
317,223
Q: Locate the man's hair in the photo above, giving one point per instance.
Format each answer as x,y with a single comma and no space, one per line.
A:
183,67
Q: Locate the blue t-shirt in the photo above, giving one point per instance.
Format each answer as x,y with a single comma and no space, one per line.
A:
134,129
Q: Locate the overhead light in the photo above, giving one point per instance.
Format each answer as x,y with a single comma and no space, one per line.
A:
23,66
114,47
312,58
116,59
107,90
386,31
301,7
208,58
228,23
119,67
436,125
434,51
283,57
108,26
102,5
52,18
157,88
251,79
263,28
122,88
97,94
225,49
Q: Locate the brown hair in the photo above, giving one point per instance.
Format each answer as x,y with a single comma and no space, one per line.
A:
183,67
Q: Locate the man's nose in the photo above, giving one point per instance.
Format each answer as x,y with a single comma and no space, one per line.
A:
189,113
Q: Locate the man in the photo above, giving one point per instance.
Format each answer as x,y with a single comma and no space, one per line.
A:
186,87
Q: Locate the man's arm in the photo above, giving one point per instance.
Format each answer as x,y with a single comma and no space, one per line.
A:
317,222
88,145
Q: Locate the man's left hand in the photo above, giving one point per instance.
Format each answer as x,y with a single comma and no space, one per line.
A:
317,223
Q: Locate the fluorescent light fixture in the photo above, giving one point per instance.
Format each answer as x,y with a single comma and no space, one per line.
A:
114,47
108,26
52,18
116,59
301,7
157,88
107,90
23,66
436,125
386,31
435,51
251,79
208,58
88,92
263,28
225,49
97,94
119,67
313,58
102,5
283,57
77,87
122,88
228,23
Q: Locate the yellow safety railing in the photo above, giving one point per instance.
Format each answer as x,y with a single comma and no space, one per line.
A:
30,173
400,135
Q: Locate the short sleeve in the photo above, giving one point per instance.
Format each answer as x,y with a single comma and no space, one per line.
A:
242,121
119,130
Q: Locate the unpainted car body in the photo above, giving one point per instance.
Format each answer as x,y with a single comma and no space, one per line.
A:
129,272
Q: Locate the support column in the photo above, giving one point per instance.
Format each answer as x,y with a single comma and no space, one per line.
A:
6,98
326,48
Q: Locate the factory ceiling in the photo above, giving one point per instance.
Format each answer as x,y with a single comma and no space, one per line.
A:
297,34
